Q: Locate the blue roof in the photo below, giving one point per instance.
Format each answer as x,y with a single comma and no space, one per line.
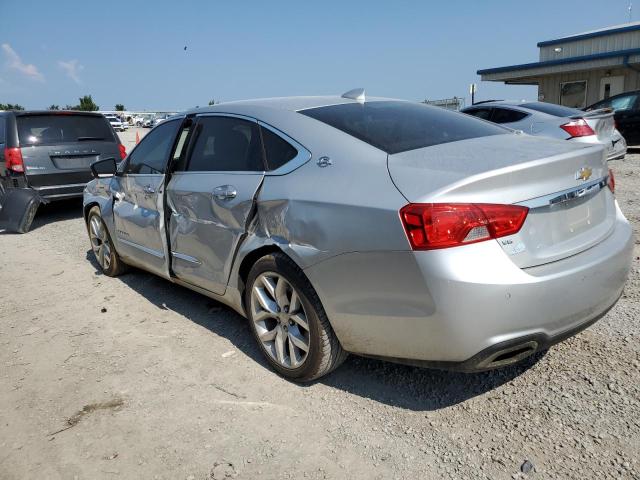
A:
562,61
594,34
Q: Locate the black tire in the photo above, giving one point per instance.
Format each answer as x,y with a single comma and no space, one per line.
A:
325,352
116,266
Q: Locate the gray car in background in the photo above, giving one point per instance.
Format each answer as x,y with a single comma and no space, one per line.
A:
46,156
555,121
379,227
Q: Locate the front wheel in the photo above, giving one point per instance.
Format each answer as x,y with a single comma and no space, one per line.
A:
102,246
289,322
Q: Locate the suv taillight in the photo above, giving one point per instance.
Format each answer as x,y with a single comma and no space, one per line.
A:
443,225
123,151
578,128
13,159
611,182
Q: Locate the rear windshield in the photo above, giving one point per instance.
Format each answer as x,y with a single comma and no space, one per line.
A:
62,128
551,109
395,126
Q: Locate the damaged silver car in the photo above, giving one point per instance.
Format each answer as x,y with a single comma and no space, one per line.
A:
379,227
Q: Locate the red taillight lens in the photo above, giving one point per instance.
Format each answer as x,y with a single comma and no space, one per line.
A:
443,225
13,159
611,182
123,151
578,128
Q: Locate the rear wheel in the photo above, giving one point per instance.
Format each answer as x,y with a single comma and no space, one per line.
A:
289,322
102,246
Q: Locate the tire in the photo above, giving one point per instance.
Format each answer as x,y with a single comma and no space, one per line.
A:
102,245
324,352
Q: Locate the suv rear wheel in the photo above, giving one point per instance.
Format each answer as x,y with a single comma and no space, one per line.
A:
288,320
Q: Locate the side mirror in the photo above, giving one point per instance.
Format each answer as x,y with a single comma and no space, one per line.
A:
104,168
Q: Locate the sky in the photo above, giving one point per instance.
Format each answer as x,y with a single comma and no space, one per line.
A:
132,51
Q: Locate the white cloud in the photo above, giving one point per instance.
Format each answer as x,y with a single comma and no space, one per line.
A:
15,62
72,68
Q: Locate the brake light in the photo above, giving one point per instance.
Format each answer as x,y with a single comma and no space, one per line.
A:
443,225
578,128
123,151
611,182
13,159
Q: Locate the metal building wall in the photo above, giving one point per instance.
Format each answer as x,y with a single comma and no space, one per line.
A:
590,46
549,85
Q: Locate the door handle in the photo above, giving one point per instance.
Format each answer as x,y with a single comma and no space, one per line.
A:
224,192
148,189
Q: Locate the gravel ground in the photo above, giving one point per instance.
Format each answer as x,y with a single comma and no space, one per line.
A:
135,377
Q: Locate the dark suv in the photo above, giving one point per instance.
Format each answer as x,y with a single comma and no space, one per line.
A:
47,155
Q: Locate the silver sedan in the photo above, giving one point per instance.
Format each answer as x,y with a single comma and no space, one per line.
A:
555,121
373,226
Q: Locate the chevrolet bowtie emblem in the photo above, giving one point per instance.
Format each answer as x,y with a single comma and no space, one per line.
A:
584,174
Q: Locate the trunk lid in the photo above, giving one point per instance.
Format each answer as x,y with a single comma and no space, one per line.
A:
601,122
561,183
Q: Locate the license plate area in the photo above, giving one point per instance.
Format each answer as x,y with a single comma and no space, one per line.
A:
73,162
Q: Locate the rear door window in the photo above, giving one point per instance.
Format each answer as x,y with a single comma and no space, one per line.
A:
277,149
552,109
62,128
226,144
395,126
506,115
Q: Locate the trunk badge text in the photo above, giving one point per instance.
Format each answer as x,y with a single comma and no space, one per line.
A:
584,174
324,162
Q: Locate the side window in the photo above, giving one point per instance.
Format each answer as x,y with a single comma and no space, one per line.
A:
278,150
152,154
506,115
226,144
483,113
3,126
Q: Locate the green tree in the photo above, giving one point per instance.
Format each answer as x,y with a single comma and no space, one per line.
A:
54,107
212,101
87,104
11,106
70,107
120,107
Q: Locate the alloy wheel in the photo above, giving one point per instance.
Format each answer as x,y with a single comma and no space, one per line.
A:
280,320
100,242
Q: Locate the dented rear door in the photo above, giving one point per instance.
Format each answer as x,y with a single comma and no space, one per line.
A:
211,199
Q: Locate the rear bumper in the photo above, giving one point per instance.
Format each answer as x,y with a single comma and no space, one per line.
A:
55,192
468,308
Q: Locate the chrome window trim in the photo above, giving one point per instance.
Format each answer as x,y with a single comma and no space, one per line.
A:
567,195
296,162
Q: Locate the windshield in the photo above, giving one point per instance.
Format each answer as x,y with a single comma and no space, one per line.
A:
395,126
61,128
551,109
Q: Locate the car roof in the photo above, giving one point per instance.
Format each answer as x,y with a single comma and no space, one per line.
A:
293,104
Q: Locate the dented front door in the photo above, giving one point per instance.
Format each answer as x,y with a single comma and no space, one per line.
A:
211,199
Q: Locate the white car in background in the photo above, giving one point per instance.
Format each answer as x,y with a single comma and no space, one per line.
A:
556,121
115,122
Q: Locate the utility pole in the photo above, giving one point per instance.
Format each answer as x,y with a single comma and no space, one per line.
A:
630,9
472,91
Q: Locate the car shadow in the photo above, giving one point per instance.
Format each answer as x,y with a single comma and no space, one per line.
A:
412,388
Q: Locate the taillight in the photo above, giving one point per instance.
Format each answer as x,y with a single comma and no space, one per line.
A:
443,225
578,128
611,182
123,151
13,159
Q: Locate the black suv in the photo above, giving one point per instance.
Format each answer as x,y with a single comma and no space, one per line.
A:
627,114
47,155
